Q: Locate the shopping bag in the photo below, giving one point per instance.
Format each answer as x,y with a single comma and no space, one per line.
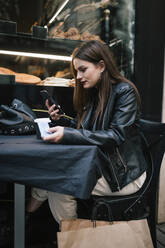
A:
82,233
77,224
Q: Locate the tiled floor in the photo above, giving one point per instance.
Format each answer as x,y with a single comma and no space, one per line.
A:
161,235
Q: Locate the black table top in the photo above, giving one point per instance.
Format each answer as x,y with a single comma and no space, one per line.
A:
68,169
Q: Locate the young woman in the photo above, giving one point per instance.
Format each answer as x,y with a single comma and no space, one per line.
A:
108,111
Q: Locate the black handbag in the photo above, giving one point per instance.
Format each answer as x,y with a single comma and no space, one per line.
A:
17,119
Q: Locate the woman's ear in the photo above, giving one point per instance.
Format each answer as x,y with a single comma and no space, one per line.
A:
102,65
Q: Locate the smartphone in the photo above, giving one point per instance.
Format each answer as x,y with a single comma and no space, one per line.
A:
45,95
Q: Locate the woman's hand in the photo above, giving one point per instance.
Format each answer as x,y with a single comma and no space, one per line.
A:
53,112
56,136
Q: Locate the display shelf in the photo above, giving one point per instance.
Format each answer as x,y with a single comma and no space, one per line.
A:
34,42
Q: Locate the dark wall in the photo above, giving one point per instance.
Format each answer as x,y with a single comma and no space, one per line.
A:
149,55
30,14
24,13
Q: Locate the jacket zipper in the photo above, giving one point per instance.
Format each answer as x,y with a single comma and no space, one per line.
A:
121,159
118,186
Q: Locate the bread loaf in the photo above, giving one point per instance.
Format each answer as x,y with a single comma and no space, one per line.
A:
7,71
21,77
26,78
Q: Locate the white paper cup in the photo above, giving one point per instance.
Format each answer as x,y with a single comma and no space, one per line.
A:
42,125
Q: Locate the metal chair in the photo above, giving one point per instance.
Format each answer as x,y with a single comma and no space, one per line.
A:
144,203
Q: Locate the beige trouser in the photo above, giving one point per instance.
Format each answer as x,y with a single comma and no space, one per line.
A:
65,206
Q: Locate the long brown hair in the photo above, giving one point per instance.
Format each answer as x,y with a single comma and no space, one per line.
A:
94,51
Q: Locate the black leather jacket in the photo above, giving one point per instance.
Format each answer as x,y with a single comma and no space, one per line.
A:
117,135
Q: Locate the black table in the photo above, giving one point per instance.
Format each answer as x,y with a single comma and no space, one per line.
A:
68,169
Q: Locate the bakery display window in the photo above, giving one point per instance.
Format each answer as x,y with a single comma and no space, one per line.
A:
112,21
29,63
34,70
42,57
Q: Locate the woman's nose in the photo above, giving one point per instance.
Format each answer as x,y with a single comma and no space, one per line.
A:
78,75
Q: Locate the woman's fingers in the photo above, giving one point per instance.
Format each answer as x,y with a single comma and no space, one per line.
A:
54,114
56,134
53,111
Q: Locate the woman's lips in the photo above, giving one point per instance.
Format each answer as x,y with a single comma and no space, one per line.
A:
83,82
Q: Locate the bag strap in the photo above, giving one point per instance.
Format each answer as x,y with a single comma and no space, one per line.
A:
23,108
95,211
